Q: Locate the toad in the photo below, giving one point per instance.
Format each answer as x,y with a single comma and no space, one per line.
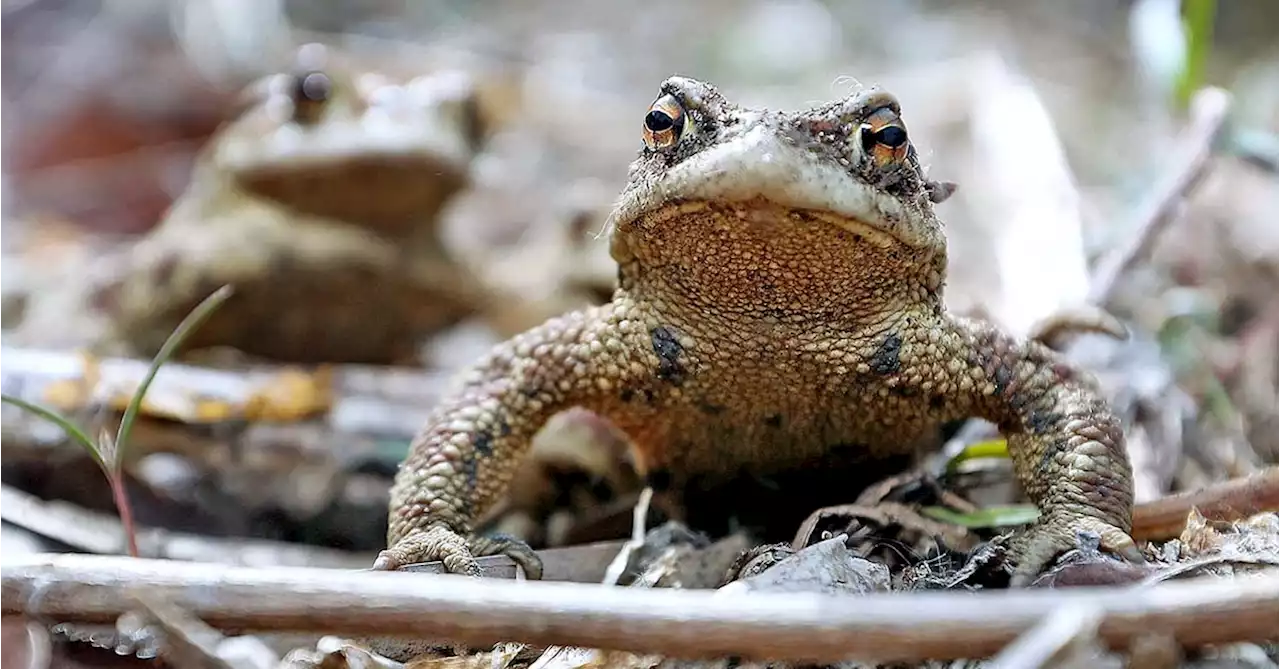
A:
779,302
319,204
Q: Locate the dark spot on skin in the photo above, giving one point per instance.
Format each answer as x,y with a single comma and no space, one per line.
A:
885,360
1050,451
504,428
668,350
1063,372
903,391
627,394
1040,422
1002,377
470,470
659,480
937,402
773,420
710,409
484,443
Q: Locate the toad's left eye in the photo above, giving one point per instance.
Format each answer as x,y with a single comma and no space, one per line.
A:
884,138
665,123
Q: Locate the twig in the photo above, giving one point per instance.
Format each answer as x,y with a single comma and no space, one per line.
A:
1235,499
1064,632
677,623
619,563
1208,115
39,646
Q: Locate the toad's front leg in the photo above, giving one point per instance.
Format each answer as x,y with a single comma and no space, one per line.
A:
1067,446
463,459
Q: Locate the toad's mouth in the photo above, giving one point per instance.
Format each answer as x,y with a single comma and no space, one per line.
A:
351,170
290,148
763,165
763,217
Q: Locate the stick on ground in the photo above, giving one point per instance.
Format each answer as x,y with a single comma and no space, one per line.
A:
804,627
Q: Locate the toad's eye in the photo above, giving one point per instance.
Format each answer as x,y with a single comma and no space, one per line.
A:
884,138
310,92
665,123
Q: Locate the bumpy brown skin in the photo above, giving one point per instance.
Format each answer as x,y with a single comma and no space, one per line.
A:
780,299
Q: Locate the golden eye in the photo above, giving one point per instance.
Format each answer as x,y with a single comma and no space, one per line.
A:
884,138
665,123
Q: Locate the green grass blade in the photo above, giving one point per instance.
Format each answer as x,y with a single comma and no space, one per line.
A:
78,435
988,517
992,448
184,329
1197,17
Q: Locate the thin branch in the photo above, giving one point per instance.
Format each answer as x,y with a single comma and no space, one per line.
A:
1067,631
1235,499
1208,115
677,623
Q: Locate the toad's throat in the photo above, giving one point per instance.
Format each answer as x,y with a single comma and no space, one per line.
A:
773,219
755,256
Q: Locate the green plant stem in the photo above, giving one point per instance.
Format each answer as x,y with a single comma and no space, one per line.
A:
110,454
184,329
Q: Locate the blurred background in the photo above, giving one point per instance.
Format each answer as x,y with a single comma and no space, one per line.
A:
434,178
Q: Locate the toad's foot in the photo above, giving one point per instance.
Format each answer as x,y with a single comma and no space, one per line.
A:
518,551
458,554
427,545
1040,545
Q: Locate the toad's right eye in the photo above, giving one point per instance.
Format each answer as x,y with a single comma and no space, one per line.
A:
311,90
665,123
